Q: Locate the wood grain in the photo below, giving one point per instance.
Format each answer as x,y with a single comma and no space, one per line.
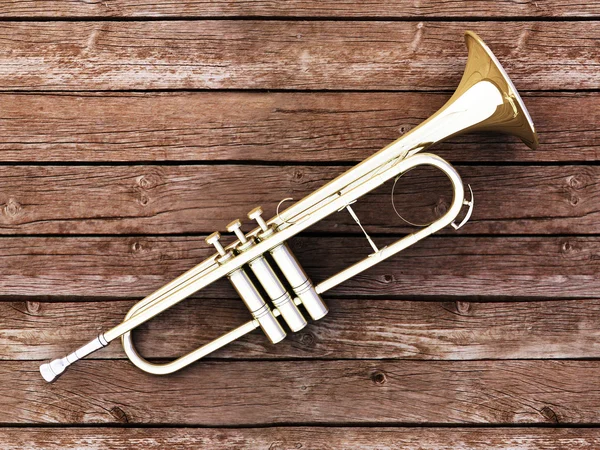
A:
202,198
490,268
288,54
298,8
129,130
353,329
308,438
259,126
308,392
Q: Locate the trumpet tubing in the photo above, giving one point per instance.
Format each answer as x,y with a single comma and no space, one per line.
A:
485,100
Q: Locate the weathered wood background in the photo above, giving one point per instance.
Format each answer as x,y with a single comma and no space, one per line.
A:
129,130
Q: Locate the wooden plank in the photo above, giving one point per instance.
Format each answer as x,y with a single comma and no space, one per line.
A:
307,392
288,54
317,438
298,8
481,267
200,199
258,126
354,328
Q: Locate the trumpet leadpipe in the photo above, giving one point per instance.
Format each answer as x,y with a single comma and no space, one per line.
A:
52,370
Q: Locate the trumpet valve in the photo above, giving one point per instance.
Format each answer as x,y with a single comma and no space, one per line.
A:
256,214
213,239
235,227
266,230
257,306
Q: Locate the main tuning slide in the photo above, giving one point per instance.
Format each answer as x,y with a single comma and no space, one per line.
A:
485,100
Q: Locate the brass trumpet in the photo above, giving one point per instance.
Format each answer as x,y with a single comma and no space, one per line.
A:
485,100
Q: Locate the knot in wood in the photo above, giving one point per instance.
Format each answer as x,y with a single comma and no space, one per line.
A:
12,208
463,307
577,181
144,200
119,414
136,247
379,377
573,200
32,307
143,182
567,247
549,414
148,181
307,339
441,208
388,279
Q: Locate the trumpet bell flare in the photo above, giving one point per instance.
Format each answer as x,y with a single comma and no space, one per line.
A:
512,117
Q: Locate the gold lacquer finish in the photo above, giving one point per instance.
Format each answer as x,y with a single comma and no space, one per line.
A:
511,117
485,100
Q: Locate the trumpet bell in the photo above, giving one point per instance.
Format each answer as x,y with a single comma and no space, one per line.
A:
511,117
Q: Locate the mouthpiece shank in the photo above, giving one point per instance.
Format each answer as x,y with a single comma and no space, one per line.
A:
53,369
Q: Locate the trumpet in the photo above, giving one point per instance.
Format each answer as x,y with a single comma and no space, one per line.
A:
485,100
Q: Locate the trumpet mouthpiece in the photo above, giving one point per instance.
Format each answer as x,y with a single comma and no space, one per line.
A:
52,370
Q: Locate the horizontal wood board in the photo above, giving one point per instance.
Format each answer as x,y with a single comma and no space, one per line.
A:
299,8
288,55
312,127
485,268
353,329
244,393
311,438
169,199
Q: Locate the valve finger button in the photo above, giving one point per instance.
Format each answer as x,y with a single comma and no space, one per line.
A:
256,214
213,239
235,227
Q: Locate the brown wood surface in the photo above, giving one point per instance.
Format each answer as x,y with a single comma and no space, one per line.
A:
309,438
191,198
299,8
217,393
259,126
488,268
354,328
129,130
288,54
